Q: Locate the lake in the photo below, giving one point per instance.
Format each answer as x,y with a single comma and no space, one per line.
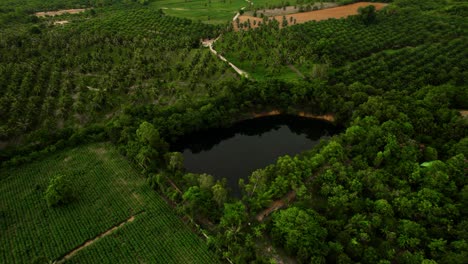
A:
237,151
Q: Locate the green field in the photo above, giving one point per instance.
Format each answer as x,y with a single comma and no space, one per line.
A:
107,191
208,11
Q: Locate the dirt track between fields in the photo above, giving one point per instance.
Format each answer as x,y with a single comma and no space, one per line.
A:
324,14
91,241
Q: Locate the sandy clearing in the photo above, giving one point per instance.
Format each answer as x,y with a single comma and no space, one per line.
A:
60,12
327,117
324,14
91,241
464,113
61,22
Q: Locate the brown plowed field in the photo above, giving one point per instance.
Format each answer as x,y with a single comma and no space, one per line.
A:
334,12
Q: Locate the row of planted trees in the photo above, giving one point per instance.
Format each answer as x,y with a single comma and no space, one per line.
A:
75,75
336,42
410,68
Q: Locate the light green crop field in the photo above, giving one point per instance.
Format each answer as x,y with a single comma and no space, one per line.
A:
107,191
207,11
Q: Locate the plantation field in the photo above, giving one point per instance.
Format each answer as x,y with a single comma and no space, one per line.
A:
107,192
315,47
299,18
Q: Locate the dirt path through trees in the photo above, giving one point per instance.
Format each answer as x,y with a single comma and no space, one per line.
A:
278,204
209,43
91,241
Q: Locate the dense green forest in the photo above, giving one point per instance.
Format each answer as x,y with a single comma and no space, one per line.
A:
390,188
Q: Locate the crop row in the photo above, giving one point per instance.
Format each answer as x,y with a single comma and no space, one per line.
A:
149,22
37,230
106,192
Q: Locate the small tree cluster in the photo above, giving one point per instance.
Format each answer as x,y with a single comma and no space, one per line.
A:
59,191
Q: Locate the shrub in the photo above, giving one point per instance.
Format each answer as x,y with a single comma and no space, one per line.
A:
59,191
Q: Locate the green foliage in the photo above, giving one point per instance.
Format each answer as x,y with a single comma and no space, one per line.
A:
234,216
175,161
267,52
301,233
59,191
92,73
220,194
367,14
149,135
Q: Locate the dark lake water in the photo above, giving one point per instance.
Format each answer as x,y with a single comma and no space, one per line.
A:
236,152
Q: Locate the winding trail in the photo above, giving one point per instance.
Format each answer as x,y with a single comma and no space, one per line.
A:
209,43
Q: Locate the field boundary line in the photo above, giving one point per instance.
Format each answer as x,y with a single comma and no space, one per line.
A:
89,242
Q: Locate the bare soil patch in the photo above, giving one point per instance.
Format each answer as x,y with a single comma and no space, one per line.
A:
324,14
464,113
61,22
325,117
270,113
60,12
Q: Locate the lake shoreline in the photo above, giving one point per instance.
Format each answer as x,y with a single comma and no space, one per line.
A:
325,117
